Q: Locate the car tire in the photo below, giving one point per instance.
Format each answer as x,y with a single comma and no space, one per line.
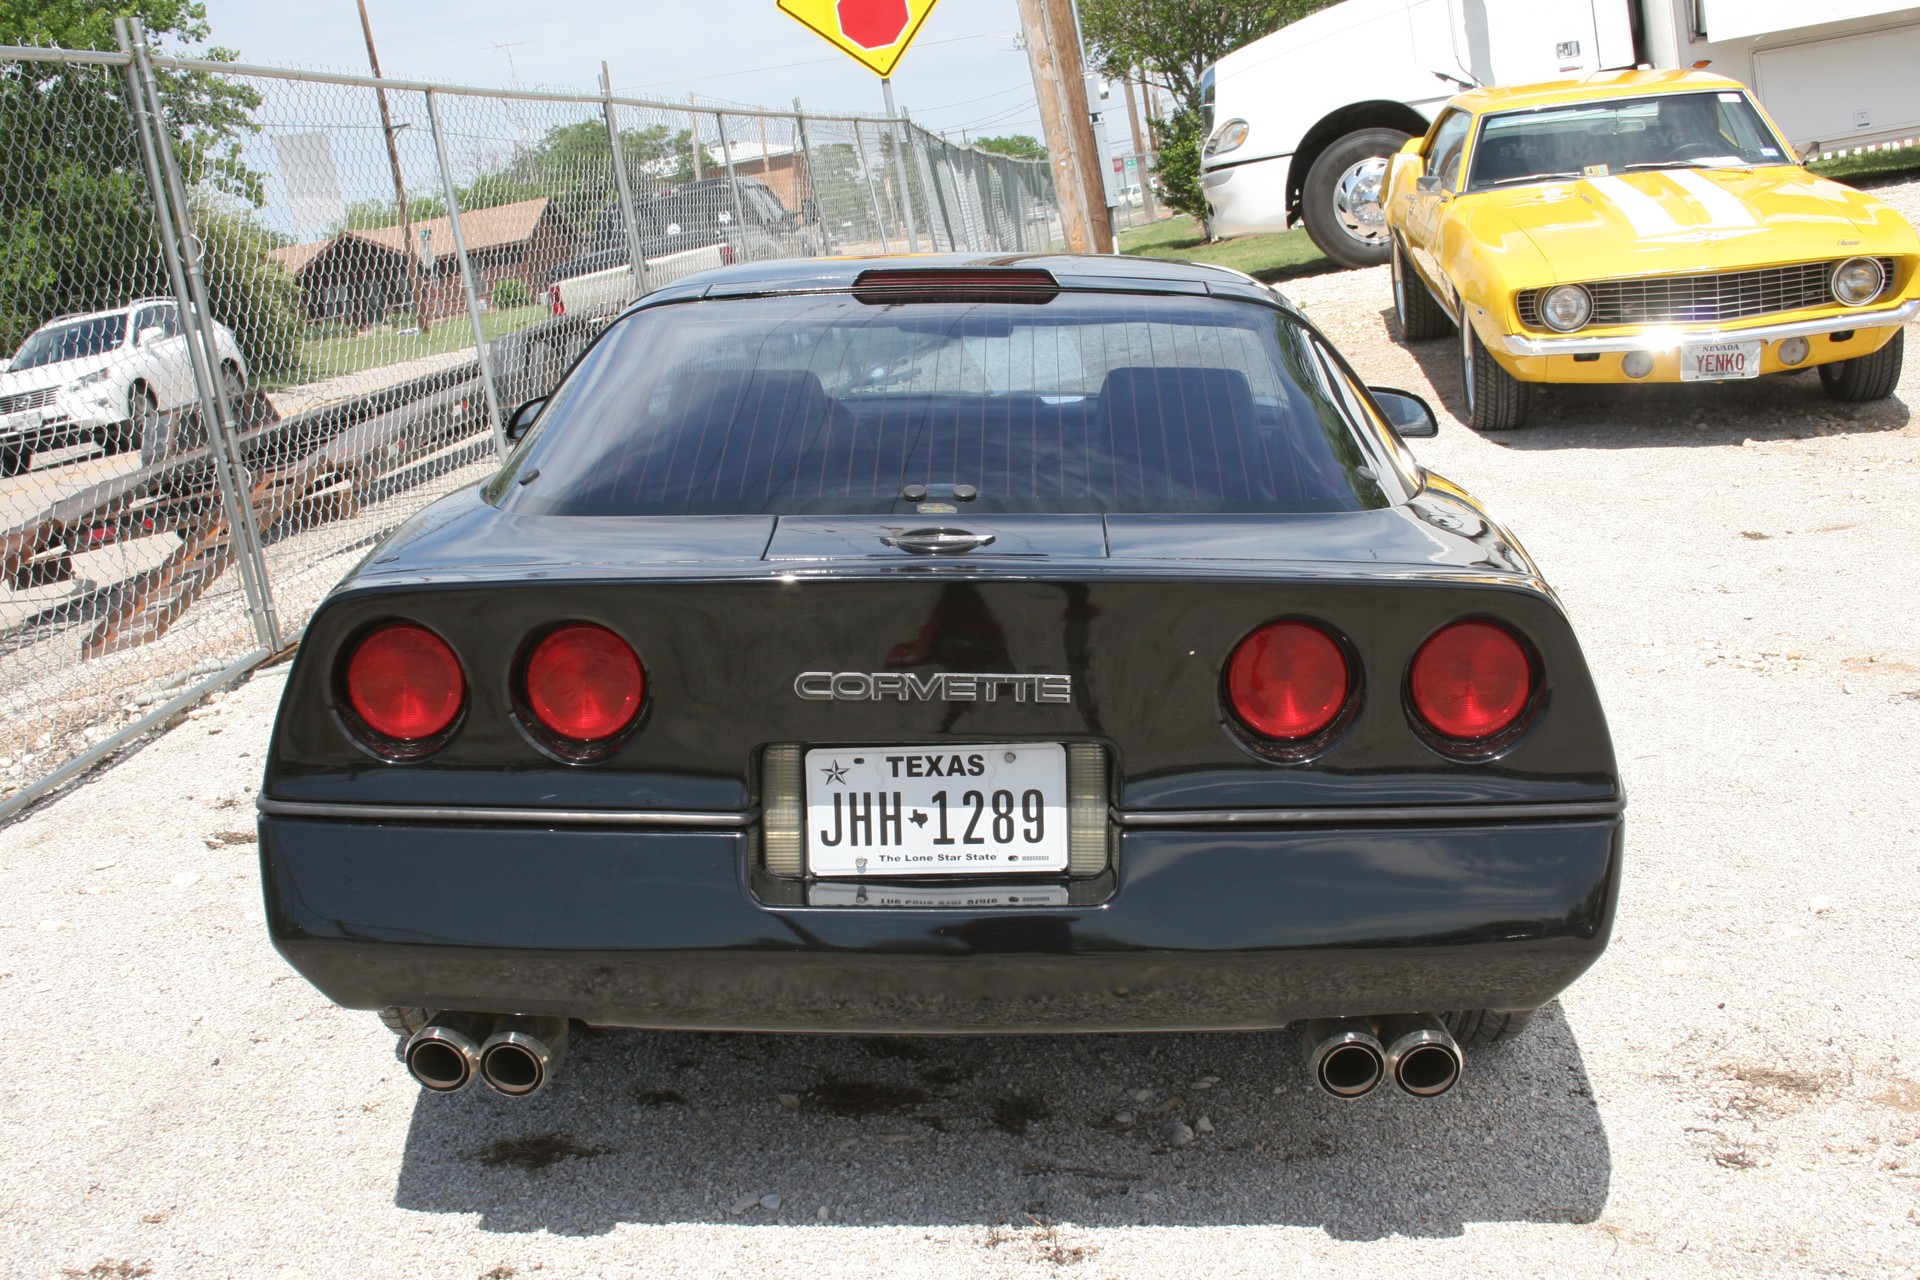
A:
1486,1026
15,459
1420,314
1343,200
1496,400
1869,377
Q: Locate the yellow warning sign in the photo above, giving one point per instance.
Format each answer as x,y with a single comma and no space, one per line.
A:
875,32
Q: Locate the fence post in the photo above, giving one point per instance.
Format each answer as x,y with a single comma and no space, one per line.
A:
809,207
733,179
182,250
873,192
484,356
635,251
930,177
693,132
900,164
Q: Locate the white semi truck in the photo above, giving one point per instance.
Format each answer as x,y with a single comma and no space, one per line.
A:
1300,123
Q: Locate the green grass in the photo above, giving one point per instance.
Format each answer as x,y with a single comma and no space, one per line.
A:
1897,162
1265,258
334,356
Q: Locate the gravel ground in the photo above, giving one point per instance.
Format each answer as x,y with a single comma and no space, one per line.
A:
1732,1090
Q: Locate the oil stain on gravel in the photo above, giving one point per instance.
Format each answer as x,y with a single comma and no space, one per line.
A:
659,1098
1015,1112
536,1151
854,1099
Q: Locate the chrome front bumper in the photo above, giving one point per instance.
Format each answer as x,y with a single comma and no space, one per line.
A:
1673,337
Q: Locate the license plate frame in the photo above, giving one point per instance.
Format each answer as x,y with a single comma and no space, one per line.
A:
873,812
1710,361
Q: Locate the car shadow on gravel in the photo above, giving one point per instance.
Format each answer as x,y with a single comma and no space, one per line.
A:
1665,415
1184,1130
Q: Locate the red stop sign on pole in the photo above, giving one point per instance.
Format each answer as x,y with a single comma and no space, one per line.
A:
873,24
875,33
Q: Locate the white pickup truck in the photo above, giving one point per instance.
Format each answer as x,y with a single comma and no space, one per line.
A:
610,289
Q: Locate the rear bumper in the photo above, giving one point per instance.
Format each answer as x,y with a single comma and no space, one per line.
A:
1204,929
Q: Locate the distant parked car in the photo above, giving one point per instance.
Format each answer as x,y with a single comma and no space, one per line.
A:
694,215
104,376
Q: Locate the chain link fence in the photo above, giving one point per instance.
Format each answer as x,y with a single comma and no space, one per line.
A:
257,318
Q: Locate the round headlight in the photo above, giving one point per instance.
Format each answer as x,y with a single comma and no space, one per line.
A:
1566,307
1858,281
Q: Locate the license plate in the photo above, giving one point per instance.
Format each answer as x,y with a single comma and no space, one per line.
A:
1720,362
25,421
843,893
937,811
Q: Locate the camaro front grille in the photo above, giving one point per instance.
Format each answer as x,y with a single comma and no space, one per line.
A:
1732,295
29,399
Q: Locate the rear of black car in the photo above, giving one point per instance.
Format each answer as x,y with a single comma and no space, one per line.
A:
947,651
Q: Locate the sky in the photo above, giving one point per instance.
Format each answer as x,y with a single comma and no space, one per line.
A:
964,72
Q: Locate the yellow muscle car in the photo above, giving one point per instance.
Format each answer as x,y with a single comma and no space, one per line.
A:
1639,226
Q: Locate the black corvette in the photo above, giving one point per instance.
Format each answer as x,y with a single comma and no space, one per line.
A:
947,645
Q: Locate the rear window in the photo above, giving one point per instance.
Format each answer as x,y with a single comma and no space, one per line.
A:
822,404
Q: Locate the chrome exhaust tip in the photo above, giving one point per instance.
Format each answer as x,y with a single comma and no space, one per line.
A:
1344,1056
521,1055
1422,1057
444,1055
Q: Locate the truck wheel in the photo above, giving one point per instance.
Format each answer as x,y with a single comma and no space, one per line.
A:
1344,197
14,459
1420,314
1484,1026
1496,400
1870,377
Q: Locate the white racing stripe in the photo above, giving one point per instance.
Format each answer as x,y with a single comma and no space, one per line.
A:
1642,210
1725,211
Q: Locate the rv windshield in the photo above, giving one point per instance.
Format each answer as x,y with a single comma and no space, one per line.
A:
1622,135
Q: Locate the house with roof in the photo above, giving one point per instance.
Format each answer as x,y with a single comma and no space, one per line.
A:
360,277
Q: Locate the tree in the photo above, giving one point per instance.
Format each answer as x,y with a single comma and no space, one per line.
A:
76,217
1023,146
1173,42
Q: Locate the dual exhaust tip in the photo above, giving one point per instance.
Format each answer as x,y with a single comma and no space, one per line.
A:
1349,1057
514,1056
517,1056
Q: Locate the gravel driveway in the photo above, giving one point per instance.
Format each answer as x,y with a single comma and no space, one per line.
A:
1734,1089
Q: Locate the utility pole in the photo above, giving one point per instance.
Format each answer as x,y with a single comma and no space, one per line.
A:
1059,84
408,252
1140,154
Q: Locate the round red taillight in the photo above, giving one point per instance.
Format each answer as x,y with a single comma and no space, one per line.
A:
1471,680
584,683
405,684
1287,680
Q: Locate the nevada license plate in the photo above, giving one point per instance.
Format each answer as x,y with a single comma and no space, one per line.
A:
937,811
1720,362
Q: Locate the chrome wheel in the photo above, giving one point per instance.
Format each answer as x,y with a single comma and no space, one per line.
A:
1356,200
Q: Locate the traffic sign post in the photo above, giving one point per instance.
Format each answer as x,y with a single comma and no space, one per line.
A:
874,33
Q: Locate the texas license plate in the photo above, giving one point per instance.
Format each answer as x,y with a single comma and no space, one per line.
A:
1720,362
937,811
